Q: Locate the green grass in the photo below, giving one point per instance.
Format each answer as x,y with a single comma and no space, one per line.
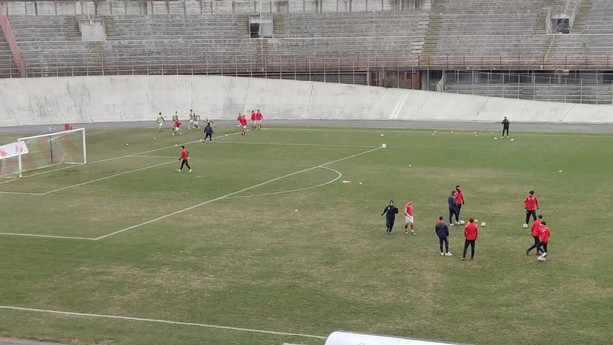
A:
245,258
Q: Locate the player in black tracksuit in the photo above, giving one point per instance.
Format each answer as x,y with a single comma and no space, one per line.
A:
390,212
442,231
208,132
505,126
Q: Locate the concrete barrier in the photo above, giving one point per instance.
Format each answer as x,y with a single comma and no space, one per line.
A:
45,101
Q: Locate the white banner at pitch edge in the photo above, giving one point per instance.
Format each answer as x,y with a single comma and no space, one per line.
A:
13,149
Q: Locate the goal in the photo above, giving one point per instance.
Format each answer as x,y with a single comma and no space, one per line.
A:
66,147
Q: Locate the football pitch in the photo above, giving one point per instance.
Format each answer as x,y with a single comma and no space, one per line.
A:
277,237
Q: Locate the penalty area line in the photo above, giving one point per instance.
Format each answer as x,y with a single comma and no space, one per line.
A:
233,193
47,236
169,322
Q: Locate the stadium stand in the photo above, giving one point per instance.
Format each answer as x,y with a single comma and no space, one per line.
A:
362,42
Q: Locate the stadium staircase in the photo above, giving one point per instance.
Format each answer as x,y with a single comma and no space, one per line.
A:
52,46
8,69
592,33
488,31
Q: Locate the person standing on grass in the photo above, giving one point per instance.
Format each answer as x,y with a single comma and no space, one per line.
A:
442,231
470,233
258,120
253,120
535,230
543,240
160,122
390,212
176,128
453,208
184,157
196,121
191,119
242,122
208,132
175,116
459,199
505,127
531,204
408,217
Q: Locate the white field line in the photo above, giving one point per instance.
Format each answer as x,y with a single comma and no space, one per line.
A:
47,236
181,323
338,175
233,193
290,144
90,181
159,157
103,160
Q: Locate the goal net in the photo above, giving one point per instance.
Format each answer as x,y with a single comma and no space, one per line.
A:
66,147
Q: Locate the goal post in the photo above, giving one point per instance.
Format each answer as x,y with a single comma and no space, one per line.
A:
45,150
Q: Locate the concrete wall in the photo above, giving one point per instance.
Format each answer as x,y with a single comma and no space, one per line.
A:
140,98
111,7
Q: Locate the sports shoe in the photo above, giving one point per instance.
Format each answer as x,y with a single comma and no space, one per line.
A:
457,223
413,232
406,232
463,259
448,254
442,254
190,170
450,224
527,253
179,170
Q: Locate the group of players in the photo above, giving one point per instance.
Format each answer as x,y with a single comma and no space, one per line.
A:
256,121
539,229
194,120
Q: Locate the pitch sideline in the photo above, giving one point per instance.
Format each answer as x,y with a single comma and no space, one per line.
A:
182,323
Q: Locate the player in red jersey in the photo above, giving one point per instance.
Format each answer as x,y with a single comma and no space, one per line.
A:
544,240
535,230
253,120
459,199
184,158
258,119
531,204
408,217
176,127
470,233
242,120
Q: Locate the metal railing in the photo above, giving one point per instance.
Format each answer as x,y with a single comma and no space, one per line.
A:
561,86
583,83
217,64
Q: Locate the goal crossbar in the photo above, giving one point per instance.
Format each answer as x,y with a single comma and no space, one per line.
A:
45,150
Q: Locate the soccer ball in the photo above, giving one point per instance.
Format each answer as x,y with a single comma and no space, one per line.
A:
525,226
482,223
541,258
462,222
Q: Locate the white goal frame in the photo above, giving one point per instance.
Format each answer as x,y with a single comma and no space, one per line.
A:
51,137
